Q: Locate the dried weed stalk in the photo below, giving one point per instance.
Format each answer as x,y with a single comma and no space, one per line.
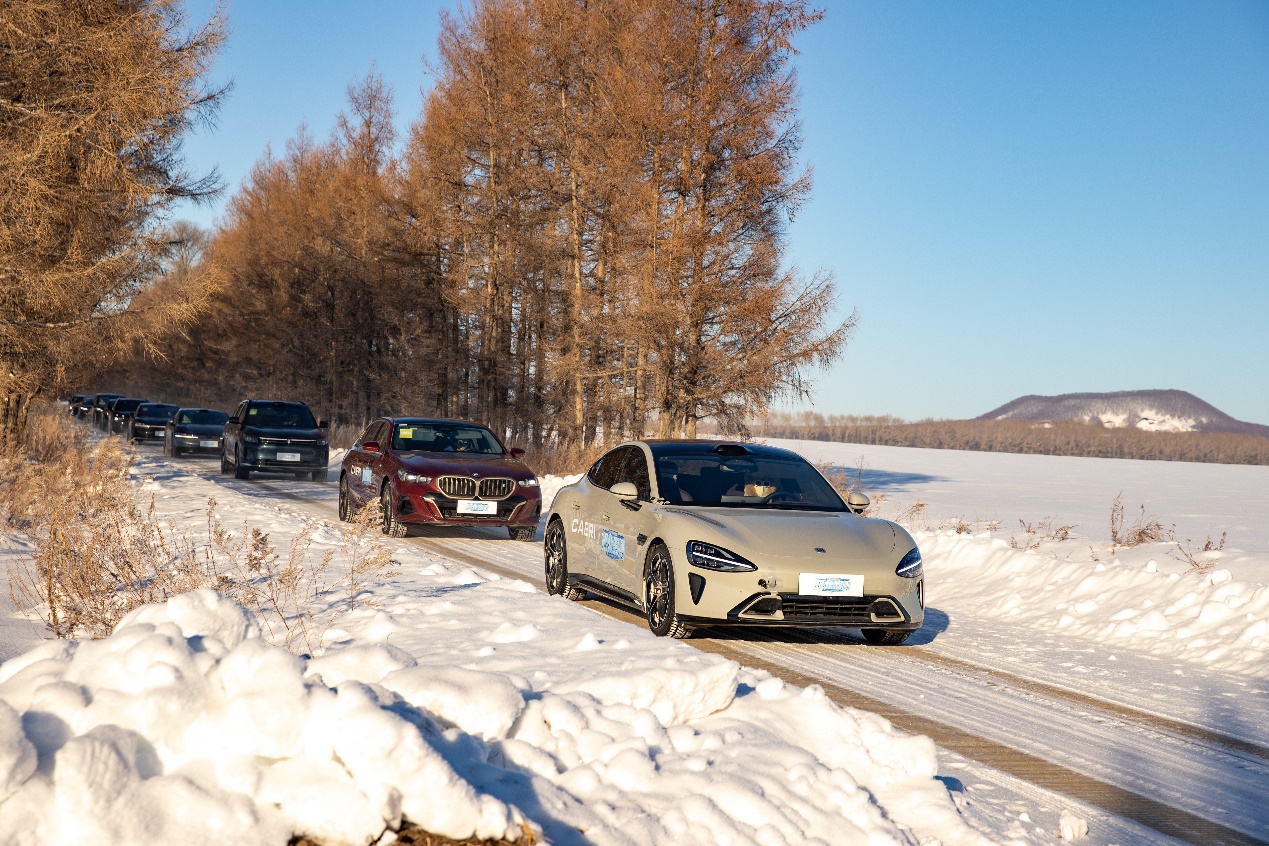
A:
98,554
1037,533
1146,529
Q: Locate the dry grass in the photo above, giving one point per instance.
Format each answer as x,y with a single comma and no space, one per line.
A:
411,835
1146,528
1034,534
554,459
101,550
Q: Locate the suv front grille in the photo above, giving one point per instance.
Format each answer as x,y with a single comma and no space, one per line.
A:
461,487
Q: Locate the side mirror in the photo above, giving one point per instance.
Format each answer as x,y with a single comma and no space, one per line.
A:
625,490
323,424
517,453
233,420
857,502
370,446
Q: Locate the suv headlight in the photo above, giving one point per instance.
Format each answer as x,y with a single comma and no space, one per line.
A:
320,442
910,565
528,483
248,438
710,557
406,476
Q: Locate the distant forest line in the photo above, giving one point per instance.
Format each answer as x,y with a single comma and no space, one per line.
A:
1066,437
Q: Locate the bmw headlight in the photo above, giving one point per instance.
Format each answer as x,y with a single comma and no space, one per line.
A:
248,438
910,565
406,476
710,557
528,483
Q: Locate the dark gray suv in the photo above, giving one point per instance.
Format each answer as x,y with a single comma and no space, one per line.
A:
280,437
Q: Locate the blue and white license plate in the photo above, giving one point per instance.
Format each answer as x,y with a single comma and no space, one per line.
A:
288,456
830,584
206,444
477,506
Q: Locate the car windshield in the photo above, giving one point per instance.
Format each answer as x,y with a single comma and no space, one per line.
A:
743,481
125,405
154,409
280,415
202,417
444,437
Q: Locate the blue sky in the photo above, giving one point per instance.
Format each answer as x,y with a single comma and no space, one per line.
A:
1019,197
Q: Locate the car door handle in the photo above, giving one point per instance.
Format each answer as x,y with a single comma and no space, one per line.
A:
576,505
605,516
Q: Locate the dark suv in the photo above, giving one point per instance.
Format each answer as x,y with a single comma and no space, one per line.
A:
122,411
282,437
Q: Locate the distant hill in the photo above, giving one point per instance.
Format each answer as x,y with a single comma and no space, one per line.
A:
1151,411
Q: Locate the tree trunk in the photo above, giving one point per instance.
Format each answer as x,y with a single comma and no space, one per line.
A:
14,411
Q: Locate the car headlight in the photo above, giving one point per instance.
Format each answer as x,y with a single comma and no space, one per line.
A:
910,565
320,442
710,557
406,476
248,438
528,483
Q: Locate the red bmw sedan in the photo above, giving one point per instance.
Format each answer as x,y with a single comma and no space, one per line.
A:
439,472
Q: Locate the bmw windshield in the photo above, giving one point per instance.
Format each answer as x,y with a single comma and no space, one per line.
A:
444,437
707,478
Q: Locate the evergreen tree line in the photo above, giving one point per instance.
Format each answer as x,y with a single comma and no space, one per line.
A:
581,237
1062,437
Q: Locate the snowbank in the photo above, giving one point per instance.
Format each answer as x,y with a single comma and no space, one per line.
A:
186,726
1141,599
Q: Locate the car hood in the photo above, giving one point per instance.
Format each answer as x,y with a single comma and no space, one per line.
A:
779,533
281,432
209,430
463,464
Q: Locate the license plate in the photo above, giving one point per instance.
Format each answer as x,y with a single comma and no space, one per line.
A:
288,456
209,443
476,506
830,584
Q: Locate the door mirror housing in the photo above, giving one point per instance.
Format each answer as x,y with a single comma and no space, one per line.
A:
625,490
371,446
323,424
233,420
857,502
517,453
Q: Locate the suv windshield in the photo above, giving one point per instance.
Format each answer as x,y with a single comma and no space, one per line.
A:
743,481
125,405
154,409
444,437
203,417
280,415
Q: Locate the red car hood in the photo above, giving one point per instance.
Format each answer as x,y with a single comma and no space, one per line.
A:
463,464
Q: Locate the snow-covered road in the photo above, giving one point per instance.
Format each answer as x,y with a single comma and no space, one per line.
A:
1180,753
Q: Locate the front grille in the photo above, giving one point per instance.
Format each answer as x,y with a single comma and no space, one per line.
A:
827,609
496,488
461,487
458,487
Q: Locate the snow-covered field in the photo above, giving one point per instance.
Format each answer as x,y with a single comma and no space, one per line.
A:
474,704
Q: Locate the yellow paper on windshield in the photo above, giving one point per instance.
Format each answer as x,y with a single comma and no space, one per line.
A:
408,434
251,411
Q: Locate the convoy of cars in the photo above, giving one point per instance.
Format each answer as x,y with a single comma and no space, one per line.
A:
689,533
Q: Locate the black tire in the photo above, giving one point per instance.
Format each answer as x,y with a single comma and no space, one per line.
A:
555,548
658,596
345,507
225,467
318,476
392,527
240,472
522,533
885,637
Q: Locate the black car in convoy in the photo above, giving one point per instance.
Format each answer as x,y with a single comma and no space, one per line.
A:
73,404
121,413
149,421
282,437
194,431
100,411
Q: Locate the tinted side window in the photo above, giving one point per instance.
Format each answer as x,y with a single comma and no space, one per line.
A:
367,435
604,472
634,468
